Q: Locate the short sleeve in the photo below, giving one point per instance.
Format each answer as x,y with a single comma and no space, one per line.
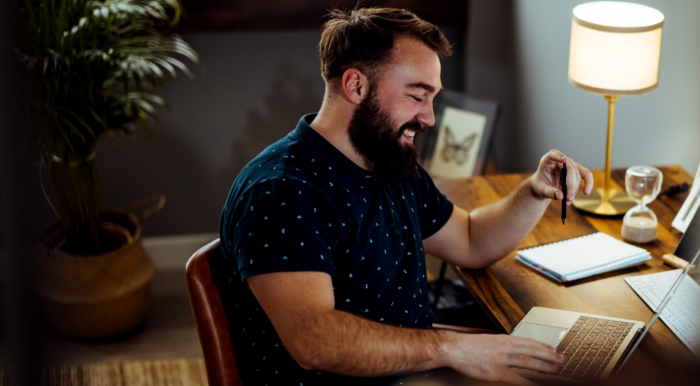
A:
283,225
437,209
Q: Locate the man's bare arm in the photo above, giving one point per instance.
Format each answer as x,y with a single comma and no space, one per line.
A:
479,238
301,307
488,233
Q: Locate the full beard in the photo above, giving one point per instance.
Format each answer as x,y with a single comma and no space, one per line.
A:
373,135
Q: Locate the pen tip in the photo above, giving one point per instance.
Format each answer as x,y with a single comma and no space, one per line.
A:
563,221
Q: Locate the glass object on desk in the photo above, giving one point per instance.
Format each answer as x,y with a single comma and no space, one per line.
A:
643,185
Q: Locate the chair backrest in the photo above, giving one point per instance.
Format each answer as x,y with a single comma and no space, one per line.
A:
210,317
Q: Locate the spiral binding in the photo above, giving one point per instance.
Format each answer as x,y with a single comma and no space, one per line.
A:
557,242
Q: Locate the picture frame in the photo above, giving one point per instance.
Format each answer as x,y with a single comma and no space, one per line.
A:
458,145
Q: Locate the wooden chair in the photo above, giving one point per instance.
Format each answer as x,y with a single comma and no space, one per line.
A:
209,315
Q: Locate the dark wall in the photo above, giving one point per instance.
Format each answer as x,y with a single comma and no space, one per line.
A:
252,91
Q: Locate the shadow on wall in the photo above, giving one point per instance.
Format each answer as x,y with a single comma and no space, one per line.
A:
292,96
132,168
166,163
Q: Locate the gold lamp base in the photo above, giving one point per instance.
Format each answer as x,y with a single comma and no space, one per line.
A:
593,204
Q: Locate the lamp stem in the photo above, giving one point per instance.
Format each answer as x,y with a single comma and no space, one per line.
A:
606,201
609,146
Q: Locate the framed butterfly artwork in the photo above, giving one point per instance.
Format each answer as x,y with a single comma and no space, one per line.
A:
458,145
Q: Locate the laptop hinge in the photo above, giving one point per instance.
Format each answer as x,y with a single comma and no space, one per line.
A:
623,358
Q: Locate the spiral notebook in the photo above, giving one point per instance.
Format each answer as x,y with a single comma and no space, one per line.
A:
582,257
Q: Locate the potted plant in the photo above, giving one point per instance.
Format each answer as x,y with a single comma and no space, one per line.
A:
92,68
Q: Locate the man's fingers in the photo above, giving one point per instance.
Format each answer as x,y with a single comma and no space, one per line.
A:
587,177
536,349
554,156
530,363
547,355
573,180
555,193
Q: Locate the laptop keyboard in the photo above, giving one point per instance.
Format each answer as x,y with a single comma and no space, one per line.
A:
682,314
589,345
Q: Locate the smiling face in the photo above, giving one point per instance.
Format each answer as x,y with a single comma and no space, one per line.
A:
397,107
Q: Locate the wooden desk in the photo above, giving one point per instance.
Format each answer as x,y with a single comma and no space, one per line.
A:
507,290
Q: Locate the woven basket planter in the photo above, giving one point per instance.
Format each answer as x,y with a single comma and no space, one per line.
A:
97,296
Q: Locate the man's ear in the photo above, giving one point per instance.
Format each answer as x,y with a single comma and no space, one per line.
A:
355,85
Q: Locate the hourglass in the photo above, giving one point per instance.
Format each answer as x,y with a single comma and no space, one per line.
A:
643,185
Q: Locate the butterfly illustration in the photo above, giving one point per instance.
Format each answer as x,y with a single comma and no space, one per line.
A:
456,151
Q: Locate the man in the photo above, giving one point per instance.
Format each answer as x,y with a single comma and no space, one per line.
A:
327,228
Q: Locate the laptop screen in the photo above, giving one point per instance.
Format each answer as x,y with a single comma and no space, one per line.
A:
688,249
690,242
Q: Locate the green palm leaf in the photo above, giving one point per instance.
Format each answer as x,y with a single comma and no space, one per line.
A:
84,51
92,68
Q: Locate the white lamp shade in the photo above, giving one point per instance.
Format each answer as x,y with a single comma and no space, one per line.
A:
615,48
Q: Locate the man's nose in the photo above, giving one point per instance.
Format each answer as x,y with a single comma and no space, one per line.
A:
427,115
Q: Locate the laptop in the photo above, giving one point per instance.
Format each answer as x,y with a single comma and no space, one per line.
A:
596,346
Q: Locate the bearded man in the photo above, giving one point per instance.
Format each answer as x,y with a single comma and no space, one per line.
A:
327,229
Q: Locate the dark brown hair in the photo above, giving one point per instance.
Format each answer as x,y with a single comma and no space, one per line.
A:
364,37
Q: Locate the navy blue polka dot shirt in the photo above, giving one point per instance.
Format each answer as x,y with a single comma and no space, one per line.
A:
301,205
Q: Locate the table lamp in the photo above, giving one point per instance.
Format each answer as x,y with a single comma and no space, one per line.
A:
614,51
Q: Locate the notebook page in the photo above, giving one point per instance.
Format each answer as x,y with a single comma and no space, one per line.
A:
582,253
632,261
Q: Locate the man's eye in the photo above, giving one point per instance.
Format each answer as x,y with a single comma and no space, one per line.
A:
417,99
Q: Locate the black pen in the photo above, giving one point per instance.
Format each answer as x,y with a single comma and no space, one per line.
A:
563,189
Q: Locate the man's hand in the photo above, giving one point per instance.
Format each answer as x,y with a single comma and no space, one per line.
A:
490,357
545,182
